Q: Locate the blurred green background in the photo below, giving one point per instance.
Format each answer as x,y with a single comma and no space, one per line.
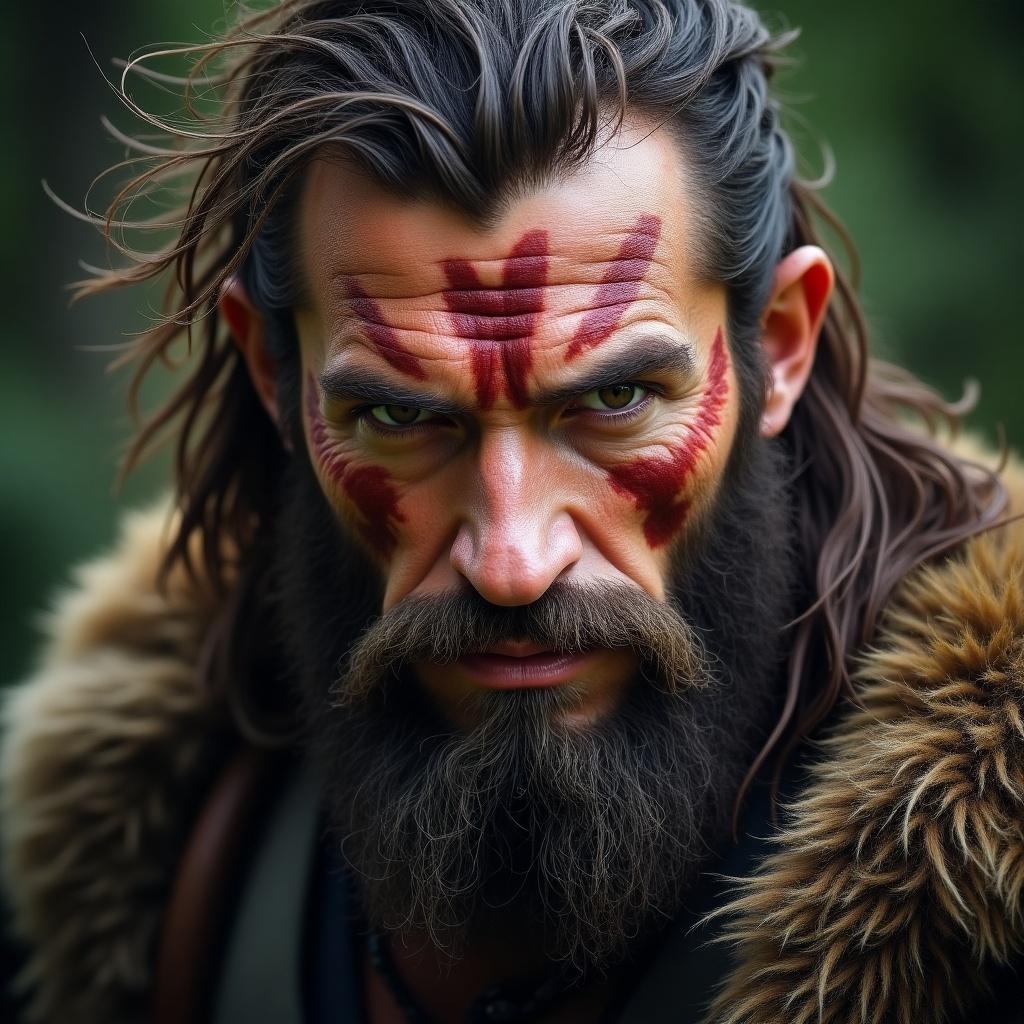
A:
921,105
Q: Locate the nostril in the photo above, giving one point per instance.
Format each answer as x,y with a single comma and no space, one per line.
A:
516,565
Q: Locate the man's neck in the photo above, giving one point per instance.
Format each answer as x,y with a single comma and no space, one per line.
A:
445,990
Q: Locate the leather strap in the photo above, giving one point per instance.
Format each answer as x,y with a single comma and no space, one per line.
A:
263,973
202,898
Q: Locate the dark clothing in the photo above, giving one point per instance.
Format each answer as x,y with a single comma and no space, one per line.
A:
686,965
333,983
906,833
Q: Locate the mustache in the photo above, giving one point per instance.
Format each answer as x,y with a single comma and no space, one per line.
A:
567,618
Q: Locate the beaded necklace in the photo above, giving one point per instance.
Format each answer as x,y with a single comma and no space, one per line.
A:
497,1004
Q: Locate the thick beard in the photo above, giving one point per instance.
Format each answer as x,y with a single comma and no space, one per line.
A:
589,835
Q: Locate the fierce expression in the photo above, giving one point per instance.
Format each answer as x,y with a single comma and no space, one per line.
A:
549,397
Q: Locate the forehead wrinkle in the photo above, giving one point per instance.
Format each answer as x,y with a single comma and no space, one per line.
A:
563,271
431,320
446,364
574,262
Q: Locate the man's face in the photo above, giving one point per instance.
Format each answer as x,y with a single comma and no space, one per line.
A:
548,399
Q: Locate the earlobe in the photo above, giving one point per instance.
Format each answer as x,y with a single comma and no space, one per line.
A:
248,330
789,330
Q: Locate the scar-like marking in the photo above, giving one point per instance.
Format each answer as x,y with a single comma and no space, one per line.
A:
381,333
654,484
499,323
369,488
619,287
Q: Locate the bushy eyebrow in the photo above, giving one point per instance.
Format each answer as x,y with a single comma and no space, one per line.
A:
641,358
651,355
356,383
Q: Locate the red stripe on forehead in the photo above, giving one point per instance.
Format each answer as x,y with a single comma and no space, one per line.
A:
381,333
619,287
654,484
500,322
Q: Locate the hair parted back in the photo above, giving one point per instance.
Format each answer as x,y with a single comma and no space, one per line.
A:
468,101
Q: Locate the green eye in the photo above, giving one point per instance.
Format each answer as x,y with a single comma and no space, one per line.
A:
614,398
398,415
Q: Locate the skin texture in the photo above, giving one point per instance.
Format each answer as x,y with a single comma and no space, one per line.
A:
368,488
620,286
507,490
499,323
380,334
496,347
510,474
655,483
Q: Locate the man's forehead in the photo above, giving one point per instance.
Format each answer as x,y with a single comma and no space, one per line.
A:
351,225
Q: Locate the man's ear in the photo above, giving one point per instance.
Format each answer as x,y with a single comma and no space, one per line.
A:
789,330
248,329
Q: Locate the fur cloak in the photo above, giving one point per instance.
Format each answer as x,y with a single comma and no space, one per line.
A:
891,893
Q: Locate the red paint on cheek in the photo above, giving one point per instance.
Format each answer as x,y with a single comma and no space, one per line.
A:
371,491
654,484
499,323
369,488
383,336
619,287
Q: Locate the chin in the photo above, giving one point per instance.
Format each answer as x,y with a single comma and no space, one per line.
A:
446,798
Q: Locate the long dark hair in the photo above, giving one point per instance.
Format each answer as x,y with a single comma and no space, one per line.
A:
465,100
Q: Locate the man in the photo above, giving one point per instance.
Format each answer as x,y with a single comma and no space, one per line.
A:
535,502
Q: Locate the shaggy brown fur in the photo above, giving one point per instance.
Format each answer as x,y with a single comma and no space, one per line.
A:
898,880
106,752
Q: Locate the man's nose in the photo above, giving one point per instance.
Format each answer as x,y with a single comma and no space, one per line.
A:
517,535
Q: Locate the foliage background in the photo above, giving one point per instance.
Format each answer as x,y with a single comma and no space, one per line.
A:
921,105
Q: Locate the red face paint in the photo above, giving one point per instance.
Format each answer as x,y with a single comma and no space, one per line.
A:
619,287
653,484
499,322
371,491
369,488
381,333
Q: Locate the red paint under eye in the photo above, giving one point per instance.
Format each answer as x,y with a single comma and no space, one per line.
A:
371,491
654,484
619,287
369,488
499,323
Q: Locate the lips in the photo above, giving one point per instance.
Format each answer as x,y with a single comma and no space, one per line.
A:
515,664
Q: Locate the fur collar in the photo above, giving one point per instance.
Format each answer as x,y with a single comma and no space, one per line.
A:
896,883
107,750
